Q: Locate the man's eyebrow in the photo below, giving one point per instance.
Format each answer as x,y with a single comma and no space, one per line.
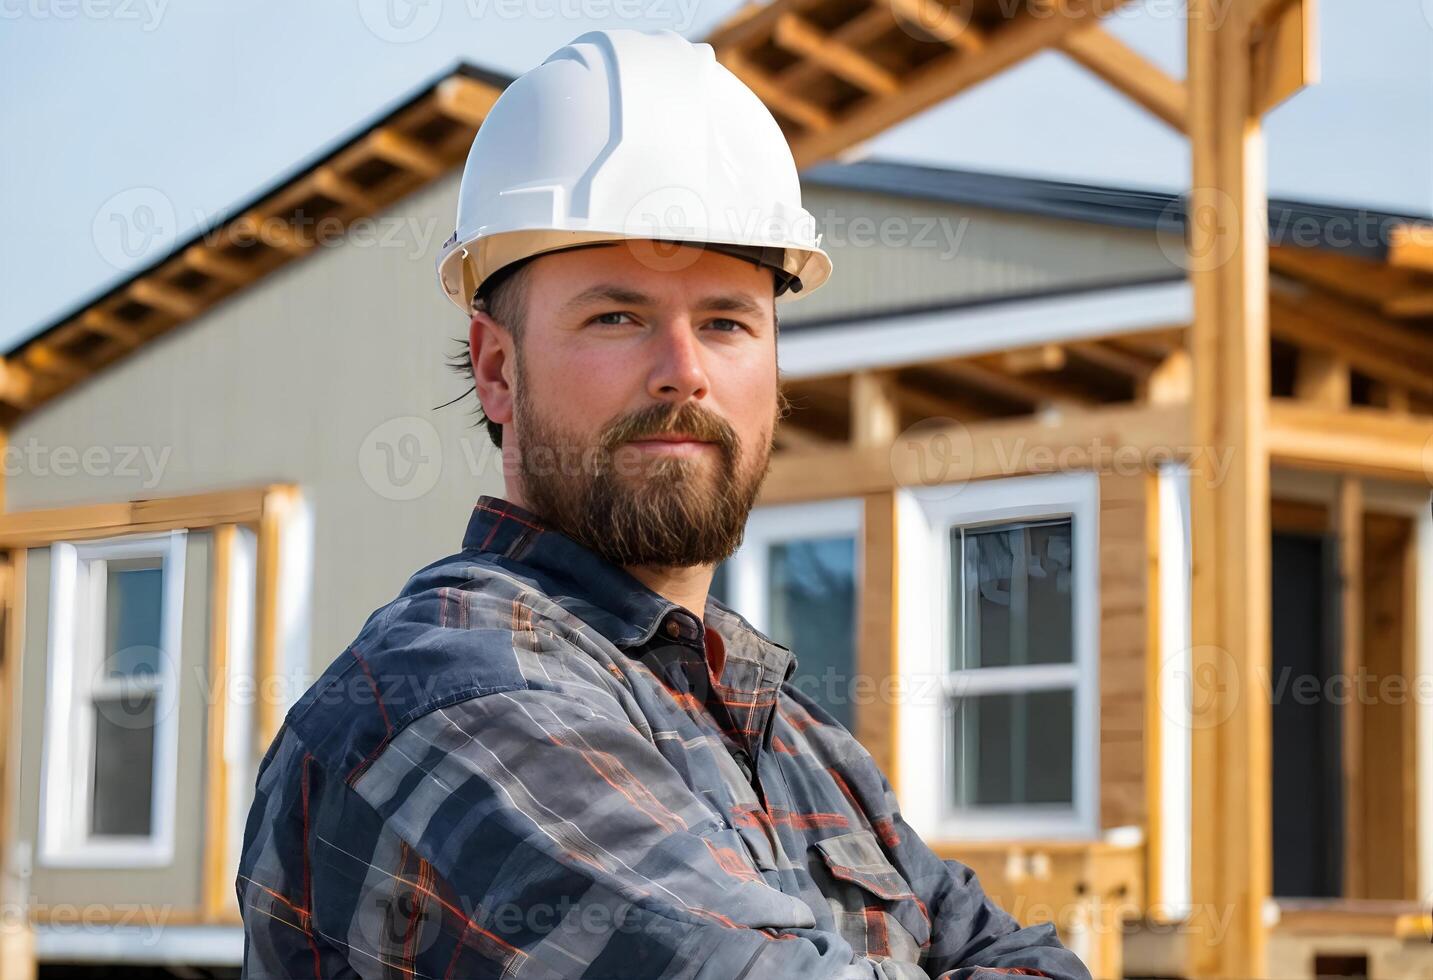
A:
611,293
723,302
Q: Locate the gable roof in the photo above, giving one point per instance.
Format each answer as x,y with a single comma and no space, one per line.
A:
822,102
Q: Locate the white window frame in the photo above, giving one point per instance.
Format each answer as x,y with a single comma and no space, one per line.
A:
75,642
925,518
747,570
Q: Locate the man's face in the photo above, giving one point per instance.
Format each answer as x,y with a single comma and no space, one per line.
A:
646,399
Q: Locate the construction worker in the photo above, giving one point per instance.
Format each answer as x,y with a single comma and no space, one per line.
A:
554,754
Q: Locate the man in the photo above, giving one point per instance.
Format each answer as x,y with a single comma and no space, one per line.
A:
554,754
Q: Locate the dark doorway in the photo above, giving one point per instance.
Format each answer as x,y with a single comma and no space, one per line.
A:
1307,758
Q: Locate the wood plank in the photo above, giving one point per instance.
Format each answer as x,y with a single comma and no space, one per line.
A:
875,408
1348,526
37,528
877,720
466,99
1322,378
1145,83
1230,617
217,878
1018,39
799,36
278,507
1367,442
1085,440
406,152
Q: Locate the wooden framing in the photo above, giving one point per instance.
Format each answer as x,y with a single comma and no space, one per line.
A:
407,149
1238,66
217,892
983,450
831,86
877,654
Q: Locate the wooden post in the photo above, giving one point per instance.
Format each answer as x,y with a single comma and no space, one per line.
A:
1241,62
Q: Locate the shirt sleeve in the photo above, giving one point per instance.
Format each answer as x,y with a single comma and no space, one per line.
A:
971,936
551,838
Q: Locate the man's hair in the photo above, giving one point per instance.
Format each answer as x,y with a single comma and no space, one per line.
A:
506,303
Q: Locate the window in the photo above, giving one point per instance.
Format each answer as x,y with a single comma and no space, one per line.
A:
999,594
796,579
111,737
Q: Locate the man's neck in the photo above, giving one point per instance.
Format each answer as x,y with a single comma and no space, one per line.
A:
686,586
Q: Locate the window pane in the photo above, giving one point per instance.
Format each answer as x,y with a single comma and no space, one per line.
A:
123,764
134,607
1013,748
1011,595
812,594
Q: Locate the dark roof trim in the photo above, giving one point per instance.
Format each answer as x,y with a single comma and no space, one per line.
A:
976,302
1359,232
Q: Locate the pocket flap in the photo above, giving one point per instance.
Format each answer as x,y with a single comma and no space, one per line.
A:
857,857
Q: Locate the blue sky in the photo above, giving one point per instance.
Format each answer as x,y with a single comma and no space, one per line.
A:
206,101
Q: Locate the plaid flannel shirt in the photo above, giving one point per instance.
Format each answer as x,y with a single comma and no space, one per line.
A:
524,766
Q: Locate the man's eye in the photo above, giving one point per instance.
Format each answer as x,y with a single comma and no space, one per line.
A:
727,326
608,318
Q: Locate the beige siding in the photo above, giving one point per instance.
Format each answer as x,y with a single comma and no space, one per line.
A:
893,252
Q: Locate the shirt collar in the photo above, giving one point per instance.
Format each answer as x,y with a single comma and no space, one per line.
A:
604,595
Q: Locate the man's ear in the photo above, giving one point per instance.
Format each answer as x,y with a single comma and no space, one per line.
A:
490,346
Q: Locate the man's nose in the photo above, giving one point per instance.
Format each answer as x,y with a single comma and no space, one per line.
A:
679,369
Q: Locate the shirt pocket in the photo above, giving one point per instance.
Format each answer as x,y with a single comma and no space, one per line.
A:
875,908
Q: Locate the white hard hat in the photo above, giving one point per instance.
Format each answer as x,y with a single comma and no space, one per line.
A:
629,135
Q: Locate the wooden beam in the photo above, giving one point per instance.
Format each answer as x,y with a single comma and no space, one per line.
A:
38,528
17,384
1112,359
877,721
984,377
277,510
778,97
406,152
1348,526
1285,51
1373,346
875,408
1231,850
801,37
466,99
1411,247
1131,73
1021,37
1085,440
1363,441
1029,360
1322,378
1172,382
210,262
951,25
111,326
165,298
218,891
330,183
44,359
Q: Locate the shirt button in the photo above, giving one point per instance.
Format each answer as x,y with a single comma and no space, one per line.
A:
674,628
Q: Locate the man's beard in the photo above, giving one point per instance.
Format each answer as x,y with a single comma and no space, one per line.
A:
633,509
